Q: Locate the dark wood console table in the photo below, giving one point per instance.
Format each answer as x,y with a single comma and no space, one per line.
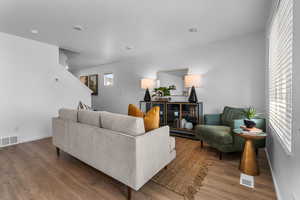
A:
175,114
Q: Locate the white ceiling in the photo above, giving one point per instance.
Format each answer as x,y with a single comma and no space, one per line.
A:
145,25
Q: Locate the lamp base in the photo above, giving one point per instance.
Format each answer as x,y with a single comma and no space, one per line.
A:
147,95
193,96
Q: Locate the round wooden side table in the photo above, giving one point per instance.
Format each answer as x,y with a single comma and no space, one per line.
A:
248,163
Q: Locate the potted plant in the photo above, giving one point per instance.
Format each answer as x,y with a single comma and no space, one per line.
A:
163,91
250,113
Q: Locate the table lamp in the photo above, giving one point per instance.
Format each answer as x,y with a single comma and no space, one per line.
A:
192,81
147,84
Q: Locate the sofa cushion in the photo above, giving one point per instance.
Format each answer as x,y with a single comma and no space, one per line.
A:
89,117
122,123
217,134
68,114
229,114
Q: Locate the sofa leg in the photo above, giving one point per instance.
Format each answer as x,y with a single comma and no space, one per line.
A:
220,155
201,144
57,151
256,151
166,167
128,193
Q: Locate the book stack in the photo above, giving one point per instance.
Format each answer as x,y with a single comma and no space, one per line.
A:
251,131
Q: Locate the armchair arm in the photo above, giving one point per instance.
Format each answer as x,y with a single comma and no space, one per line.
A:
237,123
260,123
212,119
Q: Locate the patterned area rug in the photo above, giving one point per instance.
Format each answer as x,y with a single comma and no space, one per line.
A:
185,174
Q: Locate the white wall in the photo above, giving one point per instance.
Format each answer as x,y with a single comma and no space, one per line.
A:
233,74
285,167
30,96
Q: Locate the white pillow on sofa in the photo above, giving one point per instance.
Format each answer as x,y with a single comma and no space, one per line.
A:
122,123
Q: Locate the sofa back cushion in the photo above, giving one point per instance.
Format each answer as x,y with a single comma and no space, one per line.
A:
229,114
122,123
89,117
68,114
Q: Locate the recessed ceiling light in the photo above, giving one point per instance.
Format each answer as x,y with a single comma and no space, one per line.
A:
193,30
128,47
78,28
34,31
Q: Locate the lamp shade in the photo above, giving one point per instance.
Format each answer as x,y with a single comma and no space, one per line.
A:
192,80
147,83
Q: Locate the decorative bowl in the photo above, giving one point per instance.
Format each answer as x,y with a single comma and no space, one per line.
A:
249,123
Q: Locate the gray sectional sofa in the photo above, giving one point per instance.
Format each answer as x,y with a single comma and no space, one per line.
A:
115,144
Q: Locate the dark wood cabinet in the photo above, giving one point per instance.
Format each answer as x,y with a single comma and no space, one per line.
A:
181,117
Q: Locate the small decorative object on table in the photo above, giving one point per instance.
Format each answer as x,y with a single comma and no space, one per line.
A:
250,113
251,131
188,125
183,121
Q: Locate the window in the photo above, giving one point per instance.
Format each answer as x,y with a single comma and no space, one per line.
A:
108,79
280,72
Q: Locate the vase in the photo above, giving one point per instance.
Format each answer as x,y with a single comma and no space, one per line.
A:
188,125
183,121
193,96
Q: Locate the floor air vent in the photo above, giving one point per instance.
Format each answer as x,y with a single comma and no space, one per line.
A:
247,180
13,140
6,141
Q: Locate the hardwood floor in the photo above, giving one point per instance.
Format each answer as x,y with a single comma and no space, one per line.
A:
32,171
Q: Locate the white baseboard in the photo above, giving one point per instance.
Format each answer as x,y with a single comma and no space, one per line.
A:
273,177
34,139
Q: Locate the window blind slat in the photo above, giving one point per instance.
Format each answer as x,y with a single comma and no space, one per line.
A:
280,72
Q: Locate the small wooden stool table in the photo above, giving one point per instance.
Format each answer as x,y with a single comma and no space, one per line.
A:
248,163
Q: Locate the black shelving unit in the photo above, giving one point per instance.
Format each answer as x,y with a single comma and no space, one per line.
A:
173,113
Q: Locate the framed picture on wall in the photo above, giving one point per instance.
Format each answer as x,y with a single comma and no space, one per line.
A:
93,83
84,80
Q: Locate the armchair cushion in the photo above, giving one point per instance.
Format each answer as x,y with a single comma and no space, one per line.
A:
212,119
229,114
216,134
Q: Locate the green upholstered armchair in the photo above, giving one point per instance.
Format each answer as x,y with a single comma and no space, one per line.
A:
217,130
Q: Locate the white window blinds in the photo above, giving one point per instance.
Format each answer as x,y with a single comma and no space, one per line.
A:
280,72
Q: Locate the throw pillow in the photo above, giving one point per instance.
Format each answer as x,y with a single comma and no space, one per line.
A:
151,118
135,111
82,106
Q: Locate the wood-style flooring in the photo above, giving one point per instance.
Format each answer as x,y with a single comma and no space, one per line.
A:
32,171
